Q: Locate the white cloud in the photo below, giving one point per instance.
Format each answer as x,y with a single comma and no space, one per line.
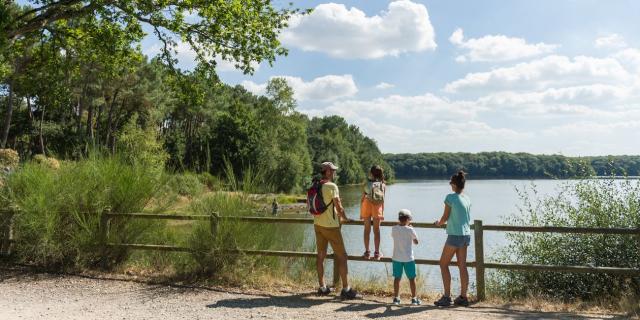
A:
349,33
384,85
612,41
497,47
630,58
544,73
187,58
324,88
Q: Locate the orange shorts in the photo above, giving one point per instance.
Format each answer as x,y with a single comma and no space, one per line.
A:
370,210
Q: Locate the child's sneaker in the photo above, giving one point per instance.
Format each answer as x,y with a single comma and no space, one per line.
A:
349,294
445,301
323,291
396,301
416,301
367,254
461,301
377,255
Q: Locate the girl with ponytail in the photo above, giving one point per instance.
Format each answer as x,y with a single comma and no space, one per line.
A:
456,216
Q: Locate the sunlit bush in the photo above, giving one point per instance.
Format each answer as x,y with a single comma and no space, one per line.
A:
584,203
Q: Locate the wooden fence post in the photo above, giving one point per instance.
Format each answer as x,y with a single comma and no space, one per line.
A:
479,247
6,242
104,229
213,223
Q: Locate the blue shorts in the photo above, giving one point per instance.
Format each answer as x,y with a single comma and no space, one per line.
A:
409,269
458,241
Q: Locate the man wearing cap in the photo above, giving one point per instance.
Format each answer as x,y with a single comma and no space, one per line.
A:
327,230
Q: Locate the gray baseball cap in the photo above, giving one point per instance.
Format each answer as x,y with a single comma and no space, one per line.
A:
329,165
405,213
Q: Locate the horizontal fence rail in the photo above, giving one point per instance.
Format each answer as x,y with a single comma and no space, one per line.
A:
7,239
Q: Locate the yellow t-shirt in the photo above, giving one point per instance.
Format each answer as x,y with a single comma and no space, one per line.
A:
329,218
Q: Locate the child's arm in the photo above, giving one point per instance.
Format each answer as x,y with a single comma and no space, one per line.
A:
445,215
414,236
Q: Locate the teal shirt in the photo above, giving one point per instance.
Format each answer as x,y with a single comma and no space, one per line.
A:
459,218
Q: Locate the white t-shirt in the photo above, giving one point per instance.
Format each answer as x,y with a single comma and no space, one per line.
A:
403,237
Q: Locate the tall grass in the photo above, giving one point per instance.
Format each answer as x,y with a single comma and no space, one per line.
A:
583,203
58,210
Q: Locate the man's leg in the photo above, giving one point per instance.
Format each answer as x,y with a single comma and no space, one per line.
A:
321,248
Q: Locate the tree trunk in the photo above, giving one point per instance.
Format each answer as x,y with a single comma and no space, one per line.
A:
110,116
81,102
41,138
89,129
7,116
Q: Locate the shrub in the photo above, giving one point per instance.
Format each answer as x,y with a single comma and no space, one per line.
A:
140,146
212,250
46,161
59,210
186,184
584,203
9,158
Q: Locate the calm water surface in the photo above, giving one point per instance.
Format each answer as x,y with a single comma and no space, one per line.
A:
492,202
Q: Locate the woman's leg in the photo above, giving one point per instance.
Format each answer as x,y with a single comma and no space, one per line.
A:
376,233
445,259
461,257
367,232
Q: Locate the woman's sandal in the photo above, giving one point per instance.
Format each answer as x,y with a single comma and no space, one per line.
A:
377,255
367,254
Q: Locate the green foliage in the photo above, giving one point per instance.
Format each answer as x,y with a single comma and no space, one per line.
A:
585,203
214,252
505,165
140,146
332,139
186,184
59,210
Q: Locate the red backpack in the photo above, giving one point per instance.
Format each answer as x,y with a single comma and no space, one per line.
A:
315,200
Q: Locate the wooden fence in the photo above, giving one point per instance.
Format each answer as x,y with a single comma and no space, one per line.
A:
478,228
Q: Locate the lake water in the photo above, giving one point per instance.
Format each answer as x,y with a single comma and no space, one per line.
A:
492,201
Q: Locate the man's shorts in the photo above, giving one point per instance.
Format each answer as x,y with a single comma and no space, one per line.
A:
408,267
324,236
458,241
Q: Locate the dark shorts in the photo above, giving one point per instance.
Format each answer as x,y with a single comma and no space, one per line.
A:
458,241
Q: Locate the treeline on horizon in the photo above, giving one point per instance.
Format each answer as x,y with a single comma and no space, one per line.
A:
496,165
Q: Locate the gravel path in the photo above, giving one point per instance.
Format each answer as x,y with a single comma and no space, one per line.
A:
25,295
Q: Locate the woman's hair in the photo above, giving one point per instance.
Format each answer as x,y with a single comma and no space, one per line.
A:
377,172
458,179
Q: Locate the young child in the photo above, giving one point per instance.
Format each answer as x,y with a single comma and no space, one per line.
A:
372,209
403,236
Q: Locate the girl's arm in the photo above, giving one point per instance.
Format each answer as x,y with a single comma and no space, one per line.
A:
445,215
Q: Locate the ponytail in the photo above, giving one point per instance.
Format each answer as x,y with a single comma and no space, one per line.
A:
459,179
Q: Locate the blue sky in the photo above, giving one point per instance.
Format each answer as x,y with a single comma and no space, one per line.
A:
541,76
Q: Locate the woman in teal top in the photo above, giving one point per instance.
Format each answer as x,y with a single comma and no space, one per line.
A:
457,207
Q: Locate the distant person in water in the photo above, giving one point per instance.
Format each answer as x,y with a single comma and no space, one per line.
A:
327,229
274,207
372,209
456,216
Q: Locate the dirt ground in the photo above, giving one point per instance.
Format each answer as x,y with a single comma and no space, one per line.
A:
29,295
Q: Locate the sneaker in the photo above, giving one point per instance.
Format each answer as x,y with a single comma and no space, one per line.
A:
416,301
367,254
377,255
461,301
349,294
323,291
445,301
396,301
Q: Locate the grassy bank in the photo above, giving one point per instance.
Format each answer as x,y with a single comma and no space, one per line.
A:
57,215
